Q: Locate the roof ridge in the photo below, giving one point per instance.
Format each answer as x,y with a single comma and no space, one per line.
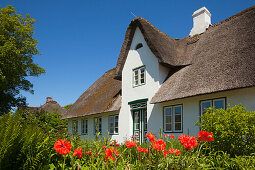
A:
233,16
157,29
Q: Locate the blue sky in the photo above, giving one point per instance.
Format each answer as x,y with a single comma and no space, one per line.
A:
81,39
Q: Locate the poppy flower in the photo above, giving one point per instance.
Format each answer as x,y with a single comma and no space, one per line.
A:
188,142
62,147
172,151
111,153
78,153
151,137
89,153
172,136
139,149
159,145
114,143
131,144
104,147
205,136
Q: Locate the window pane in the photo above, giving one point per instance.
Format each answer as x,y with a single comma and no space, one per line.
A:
168,127
142,81
136,82
178,118
100,125
219,104
86,126
178,126
111,124
168,111
178,110
205,105
168,119
136,126
142,70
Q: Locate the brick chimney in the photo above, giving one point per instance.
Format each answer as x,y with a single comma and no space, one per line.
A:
201,21
48,99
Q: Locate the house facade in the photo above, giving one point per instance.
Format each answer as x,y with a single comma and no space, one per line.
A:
164,84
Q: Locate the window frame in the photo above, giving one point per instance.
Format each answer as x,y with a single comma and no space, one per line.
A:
212,103
172,119
84,132
139,76
114,127
95,132
138,46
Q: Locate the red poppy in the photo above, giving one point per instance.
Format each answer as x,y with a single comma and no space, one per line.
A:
151,137
131,144
188,142
78,153
111,153
205,136
172,136
104,147
159,145
172,151
62,147
114,143
139,149
89,153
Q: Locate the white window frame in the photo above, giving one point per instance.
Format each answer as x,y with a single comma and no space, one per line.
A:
212,102
84,126
173,119
114,124
139,76
97,125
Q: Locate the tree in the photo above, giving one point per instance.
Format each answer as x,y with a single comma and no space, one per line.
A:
17,48
67,107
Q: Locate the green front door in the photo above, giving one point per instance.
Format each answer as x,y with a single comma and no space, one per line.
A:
140,124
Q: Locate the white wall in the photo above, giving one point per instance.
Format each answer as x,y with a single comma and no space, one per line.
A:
91,134
191,112
154,76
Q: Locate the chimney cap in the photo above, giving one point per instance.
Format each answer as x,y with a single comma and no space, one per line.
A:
200,11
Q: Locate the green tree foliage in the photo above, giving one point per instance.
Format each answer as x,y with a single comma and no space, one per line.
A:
17,48
67,107
233,129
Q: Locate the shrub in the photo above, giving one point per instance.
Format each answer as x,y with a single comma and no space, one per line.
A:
22,146
233,128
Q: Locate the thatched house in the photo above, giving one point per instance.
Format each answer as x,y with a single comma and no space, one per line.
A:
50,106
160,82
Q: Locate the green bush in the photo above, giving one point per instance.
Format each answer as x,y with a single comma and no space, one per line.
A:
27,139
233,129
22,146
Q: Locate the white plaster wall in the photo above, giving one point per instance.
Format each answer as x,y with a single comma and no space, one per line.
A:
153,78
191,112
91,134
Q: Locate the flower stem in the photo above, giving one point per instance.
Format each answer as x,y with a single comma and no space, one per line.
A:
63,166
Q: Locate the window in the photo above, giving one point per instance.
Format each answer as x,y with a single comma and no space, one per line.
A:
84,126
173,118
139,76
140,45
75,127
114,124
98,125
219,103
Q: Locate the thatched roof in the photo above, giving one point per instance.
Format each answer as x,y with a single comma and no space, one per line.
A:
222,58
103,96
169,52
50,107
